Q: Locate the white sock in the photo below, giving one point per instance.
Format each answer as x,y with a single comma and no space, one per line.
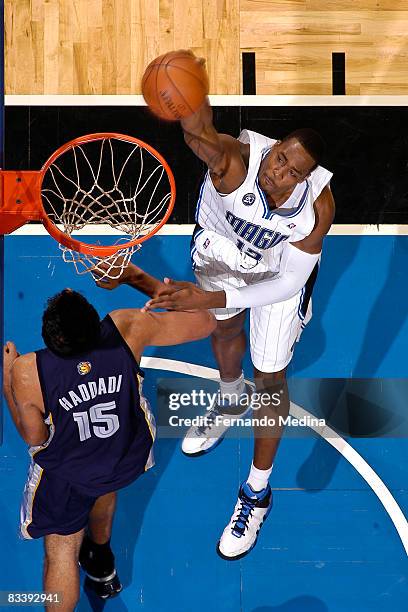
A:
258,479
232,390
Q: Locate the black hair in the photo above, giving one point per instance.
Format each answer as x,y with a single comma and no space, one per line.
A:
311,141
70,324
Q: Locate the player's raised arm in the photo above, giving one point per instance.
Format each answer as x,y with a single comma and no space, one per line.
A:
221,152
175,87
203,139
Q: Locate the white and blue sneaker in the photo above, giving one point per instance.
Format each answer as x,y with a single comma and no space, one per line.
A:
240,535
216,422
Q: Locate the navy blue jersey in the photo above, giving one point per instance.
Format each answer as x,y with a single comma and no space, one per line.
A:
101,427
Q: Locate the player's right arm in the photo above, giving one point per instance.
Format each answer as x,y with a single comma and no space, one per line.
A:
141,329
222,153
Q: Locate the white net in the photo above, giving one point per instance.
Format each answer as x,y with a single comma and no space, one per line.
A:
116,185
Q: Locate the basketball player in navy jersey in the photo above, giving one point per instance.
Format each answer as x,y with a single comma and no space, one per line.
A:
264,209
79,405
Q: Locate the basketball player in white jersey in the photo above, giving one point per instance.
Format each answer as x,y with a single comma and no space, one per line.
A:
264,208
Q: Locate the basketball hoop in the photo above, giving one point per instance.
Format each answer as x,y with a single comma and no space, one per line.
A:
103,179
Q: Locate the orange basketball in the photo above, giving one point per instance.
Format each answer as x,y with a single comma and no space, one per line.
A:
174,85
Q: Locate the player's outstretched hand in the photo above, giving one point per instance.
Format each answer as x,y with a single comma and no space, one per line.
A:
10,353
111,283
200,60
179,295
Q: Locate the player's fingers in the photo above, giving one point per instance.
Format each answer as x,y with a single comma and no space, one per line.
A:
10,348
186,51
166,305
148,306
104,284
177,284
101,269
157,301
168,294
161,302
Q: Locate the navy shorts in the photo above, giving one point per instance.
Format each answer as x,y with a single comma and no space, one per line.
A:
52,505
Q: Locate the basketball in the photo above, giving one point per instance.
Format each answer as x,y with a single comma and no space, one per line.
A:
174,85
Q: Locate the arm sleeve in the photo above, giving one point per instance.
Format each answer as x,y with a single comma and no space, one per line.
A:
296,267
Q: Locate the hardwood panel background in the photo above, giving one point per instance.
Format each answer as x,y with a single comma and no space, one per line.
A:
102,46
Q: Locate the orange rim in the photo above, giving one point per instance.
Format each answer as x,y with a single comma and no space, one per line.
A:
97,250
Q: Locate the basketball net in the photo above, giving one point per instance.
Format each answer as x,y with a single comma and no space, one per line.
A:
107,185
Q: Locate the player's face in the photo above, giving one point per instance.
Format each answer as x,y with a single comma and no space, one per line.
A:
287,164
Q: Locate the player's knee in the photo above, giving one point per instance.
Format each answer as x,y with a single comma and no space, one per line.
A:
62,549
229,328
104,507
226,334
61,561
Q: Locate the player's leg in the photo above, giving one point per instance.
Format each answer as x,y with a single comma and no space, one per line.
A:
61,571
53,509
273,389
101,518
274,331
228,340
96,556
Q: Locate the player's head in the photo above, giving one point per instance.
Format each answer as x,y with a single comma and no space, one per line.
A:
70,324
312,143
291,160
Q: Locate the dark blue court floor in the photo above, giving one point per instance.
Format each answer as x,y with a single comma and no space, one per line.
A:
329,544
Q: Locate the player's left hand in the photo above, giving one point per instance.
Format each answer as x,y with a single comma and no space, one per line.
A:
182,295
106,282
10,354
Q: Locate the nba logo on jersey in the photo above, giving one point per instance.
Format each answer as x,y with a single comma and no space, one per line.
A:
248,199
84,367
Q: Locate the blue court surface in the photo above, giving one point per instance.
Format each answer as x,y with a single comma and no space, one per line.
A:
336,539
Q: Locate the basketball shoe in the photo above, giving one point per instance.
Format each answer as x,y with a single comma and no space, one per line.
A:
216,422
99,564
241,533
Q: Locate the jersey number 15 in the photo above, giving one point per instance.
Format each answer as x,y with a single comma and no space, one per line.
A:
104,424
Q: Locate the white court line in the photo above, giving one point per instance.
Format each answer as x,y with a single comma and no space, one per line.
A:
38,229
344,448
225,100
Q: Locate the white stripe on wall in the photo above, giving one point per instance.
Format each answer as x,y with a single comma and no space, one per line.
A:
187,230
117,100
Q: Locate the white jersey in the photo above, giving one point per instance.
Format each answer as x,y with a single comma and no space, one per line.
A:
245,219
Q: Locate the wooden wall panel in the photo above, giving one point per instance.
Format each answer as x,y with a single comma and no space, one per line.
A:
103,46
294,42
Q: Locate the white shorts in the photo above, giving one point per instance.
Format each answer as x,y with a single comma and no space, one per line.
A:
274,329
